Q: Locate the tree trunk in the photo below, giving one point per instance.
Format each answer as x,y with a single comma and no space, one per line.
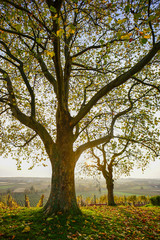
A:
110,187
62,197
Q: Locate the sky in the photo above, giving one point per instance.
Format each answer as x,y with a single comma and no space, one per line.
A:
8,169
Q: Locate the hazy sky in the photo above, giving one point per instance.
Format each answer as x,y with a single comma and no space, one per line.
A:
8,169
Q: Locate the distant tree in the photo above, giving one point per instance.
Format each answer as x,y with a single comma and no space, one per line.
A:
32,189
114,163
27,190
134,143
62,64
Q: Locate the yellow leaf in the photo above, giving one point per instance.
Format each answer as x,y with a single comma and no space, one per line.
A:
51,54
26,229
109,19
71,31
60,32
73,59
147,36
120,21
127,36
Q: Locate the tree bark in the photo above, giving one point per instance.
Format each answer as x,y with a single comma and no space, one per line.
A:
62,197
110,187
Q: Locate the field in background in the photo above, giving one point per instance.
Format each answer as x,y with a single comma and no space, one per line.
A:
85,188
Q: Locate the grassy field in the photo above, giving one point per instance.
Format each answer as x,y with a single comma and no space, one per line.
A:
104,192
95,223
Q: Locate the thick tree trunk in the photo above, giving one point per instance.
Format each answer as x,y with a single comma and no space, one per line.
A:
110,187
62,197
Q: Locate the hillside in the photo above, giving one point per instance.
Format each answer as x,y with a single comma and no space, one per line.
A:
85,186
96,223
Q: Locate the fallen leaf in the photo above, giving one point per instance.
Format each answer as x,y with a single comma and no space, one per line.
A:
26,229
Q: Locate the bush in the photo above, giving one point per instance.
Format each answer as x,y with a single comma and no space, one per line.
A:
40,203
155,200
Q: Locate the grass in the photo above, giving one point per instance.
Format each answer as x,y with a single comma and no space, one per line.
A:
123,222
104,192
6,186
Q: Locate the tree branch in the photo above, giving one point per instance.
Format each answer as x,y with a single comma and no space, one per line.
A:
91,144
148,84
28,121
139,142
115,83
28,141
150,24
19,6
22,35
94,47
24,77
46,72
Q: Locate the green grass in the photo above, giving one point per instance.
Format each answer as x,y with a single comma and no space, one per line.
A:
116,193
6,186
104,192
95,223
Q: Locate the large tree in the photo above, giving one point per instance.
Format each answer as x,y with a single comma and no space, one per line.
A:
60,61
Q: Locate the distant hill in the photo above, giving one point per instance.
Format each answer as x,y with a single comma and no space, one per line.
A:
84,186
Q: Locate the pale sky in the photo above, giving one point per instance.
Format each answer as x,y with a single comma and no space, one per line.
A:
8,169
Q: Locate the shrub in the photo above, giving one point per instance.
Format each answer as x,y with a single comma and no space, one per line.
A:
2,205
155,200
40,203
132,198
8,201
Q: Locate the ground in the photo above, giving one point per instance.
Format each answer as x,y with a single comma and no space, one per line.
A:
97,222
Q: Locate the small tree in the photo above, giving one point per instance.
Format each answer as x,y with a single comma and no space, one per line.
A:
135,142
40,203
11,203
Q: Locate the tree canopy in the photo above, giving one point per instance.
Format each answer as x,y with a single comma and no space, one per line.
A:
63,64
